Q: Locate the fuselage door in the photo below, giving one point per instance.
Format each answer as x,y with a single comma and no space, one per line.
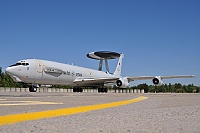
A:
39,68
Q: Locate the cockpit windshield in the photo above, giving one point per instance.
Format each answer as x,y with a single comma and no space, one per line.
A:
20,63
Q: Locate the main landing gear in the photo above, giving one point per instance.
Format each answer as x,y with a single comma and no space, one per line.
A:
32,88
102,90
77,89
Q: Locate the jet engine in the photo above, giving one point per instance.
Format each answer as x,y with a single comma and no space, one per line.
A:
122,82
157,80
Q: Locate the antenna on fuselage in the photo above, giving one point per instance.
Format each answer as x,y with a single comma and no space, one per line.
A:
103,56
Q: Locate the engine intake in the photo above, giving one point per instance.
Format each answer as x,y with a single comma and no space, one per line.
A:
157,80
119,83
122,82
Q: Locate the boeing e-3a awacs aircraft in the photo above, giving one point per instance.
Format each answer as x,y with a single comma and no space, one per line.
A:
42,72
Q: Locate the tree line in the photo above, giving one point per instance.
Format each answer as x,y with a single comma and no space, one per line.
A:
172,88
7,81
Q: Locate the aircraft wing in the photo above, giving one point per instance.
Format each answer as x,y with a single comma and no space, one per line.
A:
162,77
98,81
92,81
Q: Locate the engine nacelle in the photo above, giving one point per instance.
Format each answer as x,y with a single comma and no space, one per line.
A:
122,82
157,81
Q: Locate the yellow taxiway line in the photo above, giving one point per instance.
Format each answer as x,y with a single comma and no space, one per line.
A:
14,118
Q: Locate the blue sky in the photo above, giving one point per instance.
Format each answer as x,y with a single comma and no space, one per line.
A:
157,37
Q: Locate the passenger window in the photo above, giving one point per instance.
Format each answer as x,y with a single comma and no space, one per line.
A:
23,64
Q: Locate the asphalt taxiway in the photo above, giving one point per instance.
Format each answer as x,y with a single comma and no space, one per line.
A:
93,112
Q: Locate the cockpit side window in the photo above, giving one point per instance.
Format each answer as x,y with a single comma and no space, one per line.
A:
17,64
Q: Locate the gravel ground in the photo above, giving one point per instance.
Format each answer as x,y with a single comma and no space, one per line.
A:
174,113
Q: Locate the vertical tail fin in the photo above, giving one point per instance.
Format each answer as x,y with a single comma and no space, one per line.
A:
119,66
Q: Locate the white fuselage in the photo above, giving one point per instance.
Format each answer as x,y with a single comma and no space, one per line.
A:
36,71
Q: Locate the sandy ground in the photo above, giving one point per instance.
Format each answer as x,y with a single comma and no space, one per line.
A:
174,113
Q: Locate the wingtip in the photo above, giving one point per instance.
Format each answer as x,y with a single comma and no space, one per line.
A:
193,76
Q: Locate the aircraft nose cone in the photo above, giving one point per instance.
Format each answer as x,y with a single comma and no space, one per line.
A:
9,70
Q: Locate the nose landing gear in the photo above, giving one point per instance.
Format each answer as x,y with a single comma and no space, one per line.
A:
32,88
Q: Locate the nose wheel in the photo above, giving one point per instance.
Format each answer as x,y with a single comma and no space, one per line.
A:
32,89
